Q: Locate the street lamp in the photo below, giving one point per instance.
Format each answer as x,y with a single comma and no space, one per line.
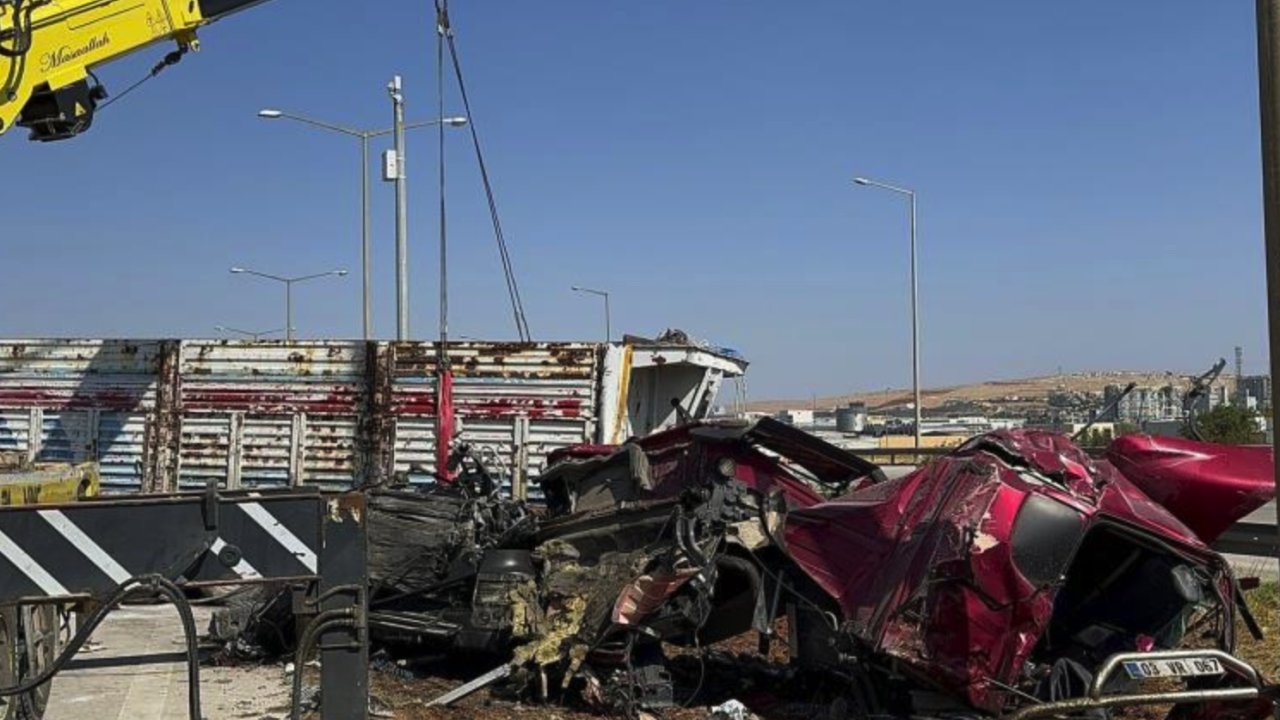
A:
915,311
608,332
288,290
256,335
364,136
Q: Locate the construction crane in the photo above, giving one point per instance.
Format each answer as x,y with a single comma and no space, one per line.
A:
52,46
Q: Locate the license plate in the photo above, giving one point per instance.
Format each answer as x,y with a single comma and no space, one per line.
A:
1189,667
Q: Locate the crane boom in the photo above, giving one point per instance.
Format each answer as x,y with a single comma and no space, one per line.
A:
51,47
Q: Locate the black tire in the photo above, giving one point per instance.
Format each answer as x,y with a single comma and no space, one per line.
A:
9,653
39,648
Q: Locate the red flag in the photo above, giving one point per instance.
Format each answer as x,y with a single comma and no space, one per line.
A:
444,423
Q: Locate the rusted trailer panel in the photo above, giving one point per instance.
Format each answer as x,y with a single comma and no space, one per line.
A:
516,402
165,414
77,400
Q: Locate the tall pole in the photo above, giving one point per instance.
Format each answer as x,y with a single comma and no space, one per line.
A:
288,290
915,322
402,221
366,249
288,310
915,297
608,322
1268,13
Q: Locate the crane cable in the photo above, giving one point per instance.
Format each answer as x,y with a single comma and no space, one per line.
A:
172,58
513,288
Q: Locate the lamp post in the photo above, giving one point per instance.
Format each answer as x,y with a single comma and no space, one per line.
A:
395,89
255,335
915,309
288,290
364,136
608,330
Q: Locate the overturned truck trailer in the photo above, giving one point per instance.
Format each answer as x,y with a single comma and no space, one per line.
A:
161,415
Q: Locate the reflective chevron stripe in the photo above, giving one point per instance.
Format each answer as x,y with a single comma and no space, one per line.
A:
242,568
89,548
29,567
85,545
281,534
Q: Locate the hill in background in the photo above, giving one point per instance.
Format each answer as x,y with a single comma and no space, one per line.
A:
1013,396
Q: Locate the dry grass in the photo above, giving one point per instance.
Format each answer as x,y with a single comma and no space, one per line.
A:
1263,654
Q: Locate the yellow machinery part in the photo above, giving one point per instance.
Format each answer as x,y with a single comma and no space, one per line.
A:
68,37
49,484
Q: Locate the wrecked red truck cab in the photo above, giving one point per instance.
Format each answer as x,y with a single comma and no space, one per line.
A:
1007,573
1014,577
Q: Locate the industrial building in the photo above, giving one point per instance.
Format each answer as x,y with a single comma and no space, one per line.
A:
1255,391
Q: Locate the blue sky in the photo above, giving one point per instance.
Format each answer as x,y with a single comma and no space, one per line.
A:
1087,171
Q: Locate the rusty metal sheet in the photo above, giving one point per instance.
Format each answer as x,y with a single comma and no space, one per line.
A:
205,451
164,414
562,360
414,445
272,377
78,374
539,395
79,400
330,460
299,408
15,430
267,447
120,449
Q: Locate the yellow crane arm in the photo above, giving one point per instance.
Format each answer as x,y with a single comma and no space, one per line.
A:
51,46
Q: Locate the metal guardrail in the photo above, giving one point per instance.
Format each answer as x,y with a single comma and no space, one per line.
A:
1256,539
901,456
915,455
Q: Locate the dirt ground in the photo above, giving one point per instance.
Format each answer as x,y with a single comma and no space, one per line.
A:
729,670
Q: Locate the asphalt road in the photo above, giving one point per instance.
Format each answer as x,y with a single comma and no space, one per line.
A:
1265,514
136,671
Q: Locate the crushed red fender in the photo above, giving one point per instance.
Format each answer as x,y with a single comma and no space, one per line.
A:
1207,486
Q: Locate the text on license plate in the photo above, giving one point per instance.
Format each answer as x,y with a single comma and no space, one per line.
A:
1173,668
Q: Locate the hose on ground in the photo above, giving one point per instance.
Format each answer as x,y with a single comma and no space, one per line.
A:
155,584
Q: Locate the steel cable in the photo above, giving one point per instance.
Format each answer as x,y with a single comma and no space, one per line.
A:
513,287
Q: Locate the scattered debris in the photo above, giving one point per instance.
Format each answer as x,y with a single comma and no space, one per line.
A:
731,710
462,691
998,578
